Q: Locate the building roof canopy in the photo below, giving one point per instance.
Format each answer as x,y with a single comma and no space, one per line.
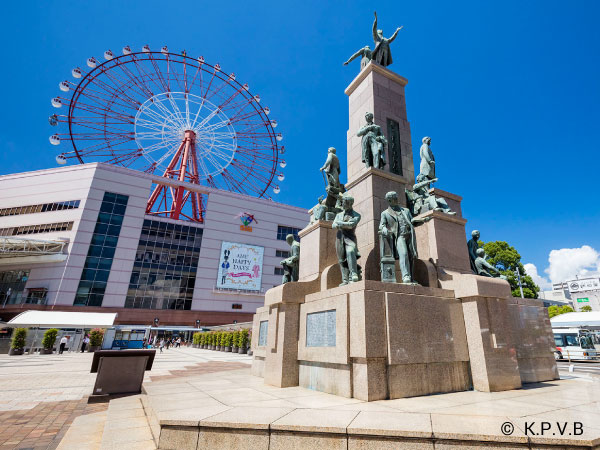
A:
577,319
62,319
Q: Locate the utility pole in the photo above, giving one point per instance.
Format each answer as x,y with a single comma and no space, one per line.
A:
518,275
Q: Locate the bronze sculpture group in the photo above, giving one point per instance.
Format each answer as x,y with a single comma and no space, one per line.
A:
396,230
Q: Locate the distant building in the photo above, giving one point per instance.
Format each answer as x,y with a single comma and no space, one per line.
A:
78,238
581,292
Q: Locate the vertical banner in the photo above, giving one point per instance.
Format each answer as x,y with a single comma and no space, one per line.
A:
240,266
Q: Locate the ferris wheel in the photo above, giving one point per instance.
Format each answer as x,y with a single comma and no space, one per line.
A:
169,114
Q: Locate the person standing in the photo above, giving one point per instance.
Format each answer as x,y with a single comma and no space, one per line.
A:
86,341
162,344
63,343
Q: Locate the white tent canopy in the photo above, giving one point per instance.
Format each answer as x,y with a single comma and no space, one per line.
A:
577,319
62,319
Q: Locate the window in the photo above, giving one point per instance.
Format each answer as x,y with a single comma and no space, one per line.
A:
558,340
98,262
236,306
164,271
282,254
278,271
36,229
283,231
31,209
571,340
12,286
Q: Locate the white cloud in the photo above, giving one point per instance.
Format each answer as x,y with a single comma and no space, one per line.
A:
565,264
542,282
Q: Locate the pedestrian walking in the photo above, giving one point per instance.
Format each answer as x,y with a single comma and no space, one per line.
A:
178,342
86,341
63,343
162,344
168,343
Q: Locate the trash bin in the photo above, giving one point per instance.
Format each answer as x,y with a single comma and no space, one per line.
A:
120,372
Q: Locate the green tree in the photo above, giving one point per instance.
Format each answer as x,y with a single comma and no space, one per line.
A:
49,338
586,308
555,310
506,259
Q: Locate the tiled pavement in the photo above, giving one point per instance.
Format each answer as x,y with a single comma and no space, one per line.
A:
41,395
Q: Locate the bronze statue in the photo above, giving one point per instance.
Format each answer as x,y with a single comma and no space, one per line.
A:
329,205
483,267
472,246
420,200
346,245
427,167
382,54
292,262
373,143
366,54
332,168
396,241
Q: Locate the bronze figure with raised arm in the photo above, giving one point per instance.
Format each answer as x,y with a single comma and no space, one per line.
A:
382,54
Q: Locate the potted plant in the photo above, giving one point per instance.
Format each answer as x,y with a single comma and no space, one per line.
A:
203,340
218,341
96,338
243,341
18,341
235,345
228,338
48,341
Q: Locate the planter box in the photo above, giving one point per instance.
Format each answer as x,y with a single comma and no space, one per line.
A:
235,349
218,348
93,348
242,350
15,351
46,351
227,349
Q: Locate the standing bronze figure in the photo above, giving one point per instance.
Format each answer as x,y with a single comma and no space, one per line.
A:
373,143
346,245
382,54
396,241
291,263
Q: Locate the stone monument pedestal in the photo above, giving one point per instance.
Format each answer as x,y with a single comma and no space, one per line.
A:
373,340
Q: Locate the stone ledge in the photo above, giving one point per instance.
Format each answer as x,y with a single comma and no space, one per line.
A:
370,172
374,67
373,285
442,216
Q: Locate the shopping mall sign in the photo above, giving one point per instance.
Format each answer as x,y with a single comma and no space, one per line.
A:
583,300
246,219
240,267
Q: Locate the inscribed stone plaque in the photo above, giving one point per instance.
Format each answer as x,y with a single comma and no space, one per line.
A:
320,329
394,149
262,333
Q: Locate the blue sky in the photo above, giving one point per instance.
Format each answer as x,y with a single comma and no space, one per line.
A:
509,92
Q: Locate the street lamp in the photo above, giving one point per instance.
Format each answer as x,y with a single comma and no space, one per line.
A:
518,275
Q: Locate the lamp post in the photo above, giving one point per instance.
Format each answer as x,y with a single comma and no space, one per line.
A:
518,275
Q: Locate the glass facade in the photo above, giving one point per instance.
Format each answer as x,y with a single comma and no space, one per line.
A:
32,209
283,231
36,229
102,250
164,272
12,286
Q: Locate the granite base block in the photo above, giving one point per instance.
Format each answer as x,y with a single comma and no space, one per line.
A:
331,378
233,439
411,380
293,440
176,437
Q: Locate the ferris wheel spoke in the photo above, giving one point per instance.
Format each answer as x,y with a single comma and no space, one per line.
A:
105,111
117,86
168,113
164,84
162,117
138,82
177,111
104,100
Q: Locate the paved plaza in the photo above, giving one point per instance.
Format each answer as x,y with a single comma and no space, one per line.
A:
43,404
41,395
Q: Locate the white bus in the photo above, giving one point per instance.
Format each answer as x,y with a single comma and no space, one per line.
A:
576,343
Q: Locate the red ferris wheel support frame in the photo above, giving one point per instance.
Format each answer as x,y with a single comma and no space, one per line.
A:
171,200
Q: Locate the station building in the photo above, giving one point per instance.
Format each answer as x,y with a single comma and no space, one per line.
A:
77,238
